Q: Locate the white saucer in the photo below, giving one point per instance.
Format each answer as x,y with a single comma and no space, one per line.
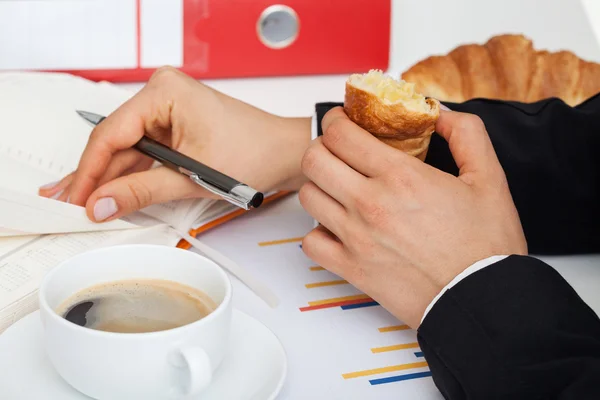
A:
255,368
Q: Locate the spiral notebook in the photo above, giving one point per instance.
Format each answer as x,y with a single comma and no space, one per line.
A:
41,141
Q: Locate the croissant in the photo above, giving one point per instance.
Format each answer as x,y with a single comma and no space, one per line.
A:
392,111
506,67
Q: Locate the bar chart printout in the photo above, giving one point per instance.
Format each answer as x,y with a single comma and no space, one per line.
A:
400,372
340,343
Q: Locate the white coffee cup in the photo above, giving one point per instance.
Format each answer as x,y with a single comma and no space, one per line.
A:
171,364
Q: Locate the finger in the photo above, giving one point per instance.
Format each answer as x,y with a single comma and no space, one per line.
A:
55,189
64,195
331,174
323,208
139,167
121,162
357,147
469,143
119,131
323,248
133,192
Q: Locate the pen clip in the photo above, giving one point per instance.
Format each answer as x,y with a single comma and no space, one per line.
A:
241,195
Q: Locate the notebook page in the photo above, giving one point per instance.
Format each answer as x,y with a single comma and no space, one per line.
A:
47,151
25,214
10,244
34,153
174,213
22,177
22,268
22,212
40,127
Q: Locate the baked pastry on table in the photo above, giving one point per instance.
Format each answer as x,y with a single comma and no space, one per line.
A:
506,67
392,111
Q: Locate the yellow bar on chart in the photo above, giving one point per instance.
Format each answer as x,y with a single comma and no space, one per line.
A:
395,347
338,299
281,241
391,368
326,283
394,328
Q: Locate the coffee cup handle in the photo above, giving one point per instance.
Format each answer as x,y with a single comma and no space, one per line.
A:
199,367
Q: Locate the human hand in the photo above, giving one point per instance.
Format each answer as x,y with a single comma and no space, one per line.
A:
252,146
396,228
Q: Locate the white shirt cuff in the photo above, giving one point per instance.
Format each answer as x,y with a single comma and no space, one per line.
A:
473,268
313,127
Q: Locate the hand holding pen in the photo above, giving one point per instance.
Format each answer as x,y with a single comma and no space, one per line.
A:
215,182
237,143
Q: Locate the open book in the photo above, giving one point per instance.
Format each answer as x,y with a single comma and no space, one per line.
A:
41,140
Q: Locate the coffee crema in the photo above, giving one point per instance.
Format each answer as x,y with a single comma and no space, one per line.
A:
136,306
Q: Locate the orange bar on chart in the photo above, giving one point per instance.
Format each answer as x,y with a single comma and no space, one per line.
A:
326,283
394,328
391,368
395,347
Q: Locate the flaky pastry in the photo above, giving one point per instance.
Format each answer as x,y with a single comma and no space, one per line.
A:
506,67
392,111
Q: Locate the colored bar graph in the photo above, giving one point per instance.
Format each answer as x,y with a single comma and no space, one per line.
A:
346,303
357,301
339,299
395,347
281,241
399,378
338,304
394,328
326,283
391,368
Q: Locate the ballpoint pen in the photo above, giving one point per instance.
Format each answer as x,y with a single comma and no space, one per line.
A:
214,181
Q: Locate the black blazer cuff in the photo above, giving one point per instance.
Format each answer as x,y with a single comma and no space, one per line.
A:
320,110
503,328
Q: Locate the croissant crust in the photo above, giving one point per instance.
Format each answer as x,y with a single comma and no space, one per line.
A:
506,67
400,124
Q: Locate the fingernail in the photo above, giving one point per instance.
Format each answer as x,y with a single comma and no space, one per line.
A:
57,195
104,208
443,107
49,185
68,198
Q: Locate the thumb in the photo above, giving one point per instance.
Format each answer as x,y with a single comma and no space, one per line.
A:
469,143
133,192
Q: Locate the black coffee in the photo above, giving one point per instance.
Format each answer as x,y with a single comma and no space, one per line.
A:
136,306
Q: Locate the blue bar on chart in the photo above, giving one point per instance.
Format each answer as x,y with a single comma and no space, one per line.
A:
399,378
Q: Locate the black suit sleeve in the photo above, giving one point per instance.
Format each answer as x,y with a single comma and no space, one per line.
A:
513,330
549,152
